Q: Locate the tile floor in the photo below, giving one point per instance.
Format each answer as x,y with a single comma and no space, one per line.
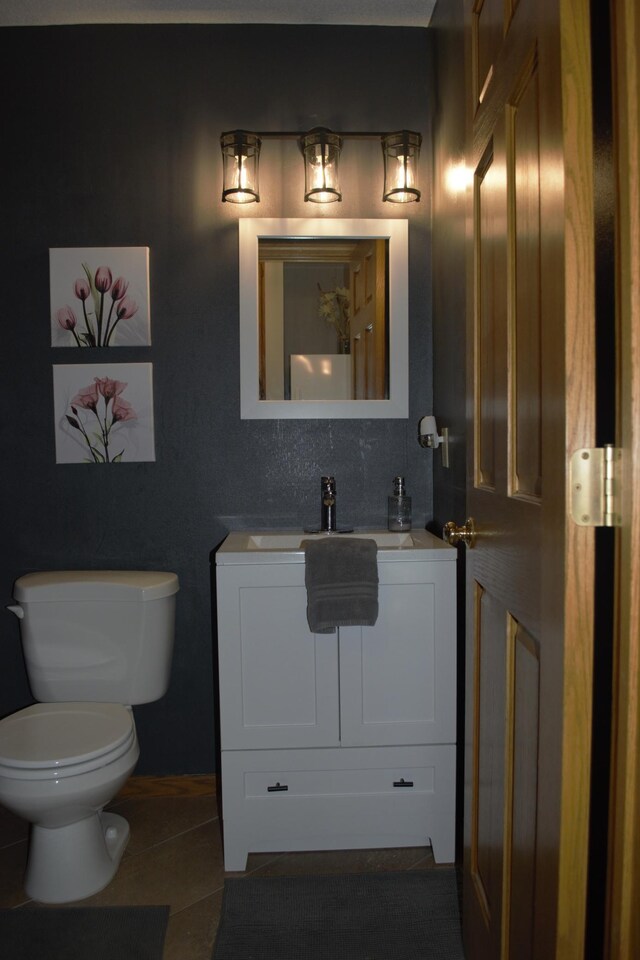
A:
174,857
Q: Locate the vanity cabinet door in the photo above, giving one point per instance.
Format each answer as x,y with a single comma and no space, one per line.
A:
278,681
398,678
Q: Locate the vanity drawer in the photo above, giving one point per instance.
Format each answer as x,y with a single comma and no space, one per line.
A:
328,782
331,799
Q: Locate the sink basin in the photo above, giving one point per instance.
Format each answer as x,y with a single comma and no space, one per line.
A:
285,546
293,540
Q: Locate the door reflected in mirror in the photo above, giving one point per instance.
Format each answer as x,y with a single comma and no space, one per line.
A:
323,319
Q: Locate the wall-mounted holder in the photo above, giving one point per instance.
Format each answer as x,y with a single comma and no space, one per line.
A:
428,437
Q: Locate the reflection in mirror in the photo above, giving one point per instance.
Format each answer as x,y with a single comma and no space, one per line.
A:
323,319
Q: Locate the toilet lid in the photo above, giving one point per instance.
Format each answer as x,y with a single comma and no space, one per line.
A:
58,735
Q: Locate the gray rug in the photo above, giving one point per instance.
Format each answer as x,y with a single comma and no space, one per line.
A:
83,933
391,916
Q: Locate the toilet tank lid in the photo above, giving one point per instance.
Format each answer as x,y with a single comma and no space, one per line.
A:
137,586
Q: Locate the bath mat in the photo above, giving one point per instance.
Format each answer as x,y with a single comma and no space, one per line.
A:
391,916
83,933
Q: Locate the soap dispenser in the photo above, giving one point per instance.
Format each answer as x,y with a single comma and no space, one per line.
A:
399,507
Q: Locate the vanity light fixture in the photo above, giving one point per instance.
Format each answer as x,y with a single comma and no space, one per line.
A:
240,155
321,150
401,152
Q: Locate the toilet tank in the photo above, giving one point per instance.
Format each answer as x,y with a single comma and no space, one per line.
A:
97,635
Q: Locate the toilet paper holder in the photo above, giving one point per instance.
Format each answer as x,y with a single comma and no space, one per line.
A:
429,437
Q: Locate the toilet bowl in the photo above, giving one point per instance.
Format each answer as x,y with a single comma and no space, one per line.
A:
94,642
60,763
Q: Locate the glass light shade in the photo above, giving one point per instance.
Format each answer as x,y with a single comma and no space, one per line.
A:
401,154
240,156
321,151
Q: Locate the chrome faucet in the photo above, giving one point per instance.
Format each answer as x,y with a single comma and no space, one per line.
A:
328,507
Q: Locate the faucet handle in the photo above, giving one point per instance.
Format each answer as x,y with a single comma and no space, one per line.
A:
328,508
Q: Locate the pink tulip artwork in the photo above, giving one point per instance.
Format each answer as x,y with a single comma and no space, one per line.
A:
105,418
96,398
99,296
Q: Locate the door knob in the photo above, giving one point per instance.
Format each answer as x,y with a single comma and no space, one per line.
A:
464,534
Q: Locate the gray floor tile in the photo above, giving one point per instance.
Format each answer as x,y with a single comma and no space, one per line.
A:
191,932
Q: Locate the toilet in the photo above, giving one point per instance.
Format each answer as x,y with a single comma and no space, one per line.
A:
95,643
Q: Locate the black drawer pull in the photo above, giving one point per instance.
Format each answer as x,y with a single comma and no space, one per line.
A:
278,788
403,783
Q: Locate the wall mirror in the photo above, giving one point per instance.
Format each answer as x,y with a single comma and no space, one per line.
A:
323,318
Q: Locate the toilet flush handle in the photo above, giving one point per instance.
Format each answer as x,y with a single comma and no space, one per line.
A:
17,609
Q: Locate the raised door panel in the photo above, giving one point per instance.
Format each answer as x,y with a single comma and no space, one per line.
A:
490,318
279,681
484,898
398,677
523,716
525,333
505,745
488,26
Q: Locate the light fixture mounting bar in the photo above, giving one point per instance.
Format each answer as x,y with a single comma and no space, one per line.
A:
296,134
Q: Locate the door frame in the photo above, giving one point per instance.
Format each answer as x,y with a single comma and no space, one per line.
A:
623,918
564,811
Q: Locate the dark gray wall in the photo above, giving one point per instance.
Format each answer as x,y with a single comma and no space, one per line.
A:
449,308
111,137
448,263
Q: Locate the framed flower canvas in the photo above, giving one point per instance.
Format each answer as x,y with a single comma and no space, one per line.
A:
103,412
99,296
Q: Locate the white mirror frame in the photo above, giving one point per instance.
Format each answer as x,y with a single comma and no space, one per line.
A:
397,233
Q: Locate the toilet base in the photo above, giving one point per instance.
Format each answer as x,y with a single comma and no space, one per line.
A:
75,861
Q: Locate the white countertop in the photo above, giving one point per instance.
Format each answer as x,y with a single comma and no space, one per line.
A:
285,546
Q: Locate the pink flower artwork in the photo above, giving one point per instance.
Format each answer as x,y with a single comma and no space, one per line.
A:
67,320
87,397
103,419
99,440
104,312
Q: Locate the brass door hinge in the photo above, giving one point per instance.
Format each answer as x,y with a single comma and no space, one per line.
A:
595,486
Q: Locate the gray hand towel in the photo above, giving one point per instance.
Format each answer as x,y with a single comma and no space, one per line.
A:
341,575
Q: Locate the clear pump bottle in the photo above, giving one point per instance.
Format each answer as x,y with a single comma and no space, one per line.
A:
399,507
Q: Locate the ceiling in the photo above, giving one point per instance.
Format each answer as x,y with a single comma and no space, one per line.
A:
388,13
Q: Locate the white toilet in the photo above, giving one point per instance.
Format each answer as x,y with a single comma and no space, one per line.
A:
94,643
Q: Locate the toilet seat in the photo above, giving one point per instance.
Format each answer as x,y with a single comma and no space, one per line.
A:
52,740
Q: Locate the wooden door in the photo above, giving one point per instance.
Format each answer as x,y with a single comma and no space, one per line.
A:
368,322
530,572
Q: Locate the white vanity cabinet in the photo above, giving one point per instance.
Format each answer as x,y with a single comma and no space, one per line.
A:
342,740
